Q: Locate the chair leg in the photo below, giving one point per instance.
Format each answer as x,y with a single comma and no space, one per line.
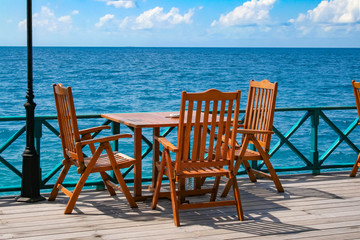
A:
273,174
124,188
266,158
215,189
158,183
248,171
355,167
239,208
229,183
105,178
174,201
118,176
60,180
71,203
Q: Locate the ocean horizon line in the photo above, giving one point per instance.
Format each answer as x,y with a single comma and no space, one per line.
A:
208,47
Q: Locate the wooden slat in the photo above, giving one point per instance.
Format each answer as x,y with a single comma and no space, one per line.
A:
212,132
204,131
316,207
197,132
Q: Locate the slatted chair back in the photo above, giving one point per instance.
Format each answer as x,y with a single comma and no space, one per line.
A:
356,88
260,109
201,129
72,144
69,131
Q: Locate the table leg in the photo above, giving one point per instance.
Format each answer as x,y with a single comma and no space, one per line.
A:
116,130
138,164
156,151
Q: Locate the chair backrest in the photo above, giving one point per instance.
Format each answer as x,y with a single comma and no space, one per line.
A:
260,108
356,87
200,132
69,131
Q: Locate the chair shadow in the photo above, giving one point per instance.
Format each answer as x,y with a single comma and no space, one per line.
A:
260,200
254,227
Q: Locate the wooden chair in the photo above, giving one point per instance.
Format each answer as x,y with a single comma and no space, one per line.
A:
356,87
257,130
73,140
192,160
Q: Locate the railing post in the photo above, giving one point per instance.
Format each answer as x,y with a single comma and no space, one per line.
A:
30,183
116,130
254,164
38,135
314,153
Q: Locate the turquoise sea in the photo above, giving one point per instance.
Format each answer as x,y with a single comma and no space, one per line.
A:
107,80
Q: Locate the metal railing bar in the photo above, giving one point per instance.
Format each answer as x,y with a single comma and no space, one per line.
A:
12,139
341,138
289,133
167,131
10,166
147,141
339,132
293,148
128,170
48,176
51,128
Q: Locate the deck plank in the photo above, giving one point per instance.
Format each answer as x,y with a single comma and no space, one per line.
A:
312,207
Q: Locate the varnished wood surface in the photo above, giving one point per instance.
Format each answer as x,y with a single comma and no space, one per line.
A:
139,121
144,119
312,207
196,134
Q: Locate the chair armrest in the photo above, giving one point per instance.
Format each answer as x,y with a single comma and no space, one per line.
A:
94,129
253,131
105,139
166,144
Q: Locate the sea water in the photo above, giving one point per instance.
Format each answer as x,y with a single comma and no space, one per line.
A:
109,80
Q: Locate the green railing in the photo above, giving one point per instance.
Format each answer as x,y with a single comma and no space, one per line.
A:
285,129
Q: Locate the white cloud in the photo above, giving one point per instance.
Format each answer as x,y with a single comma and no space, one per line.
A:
46,20
75,12
125,22
250,13
330,15
156,17
104,20
153,18
120,3
65,19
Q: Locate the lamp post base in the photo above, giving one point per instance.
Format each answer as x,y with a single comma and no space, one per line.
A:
31,177
30,199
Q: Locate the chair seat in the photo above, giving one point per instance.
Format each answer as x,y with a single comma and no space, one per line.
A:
205,171
200,171
249,154
103,162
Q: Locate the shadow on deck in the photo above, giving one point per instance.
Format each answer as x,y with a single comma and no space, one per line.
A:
317,207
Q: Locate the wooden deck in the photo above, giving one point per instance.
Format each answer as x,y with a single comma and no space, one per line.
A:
312,207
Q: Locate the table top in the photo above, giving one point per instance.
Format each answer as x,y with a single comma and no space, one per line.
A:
147,119
144,119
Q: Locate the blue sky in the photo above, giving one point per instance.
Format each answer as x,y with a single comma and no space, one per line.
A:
183,23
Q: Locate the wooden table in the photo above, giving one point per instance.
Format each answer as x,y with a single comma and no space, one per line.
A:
138,121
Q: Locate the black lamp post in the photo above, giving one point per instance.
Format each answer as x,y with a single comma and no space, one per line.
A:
31,175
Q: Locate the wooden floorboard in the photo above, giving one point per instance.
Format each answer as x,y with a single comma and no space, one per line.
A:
312,207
